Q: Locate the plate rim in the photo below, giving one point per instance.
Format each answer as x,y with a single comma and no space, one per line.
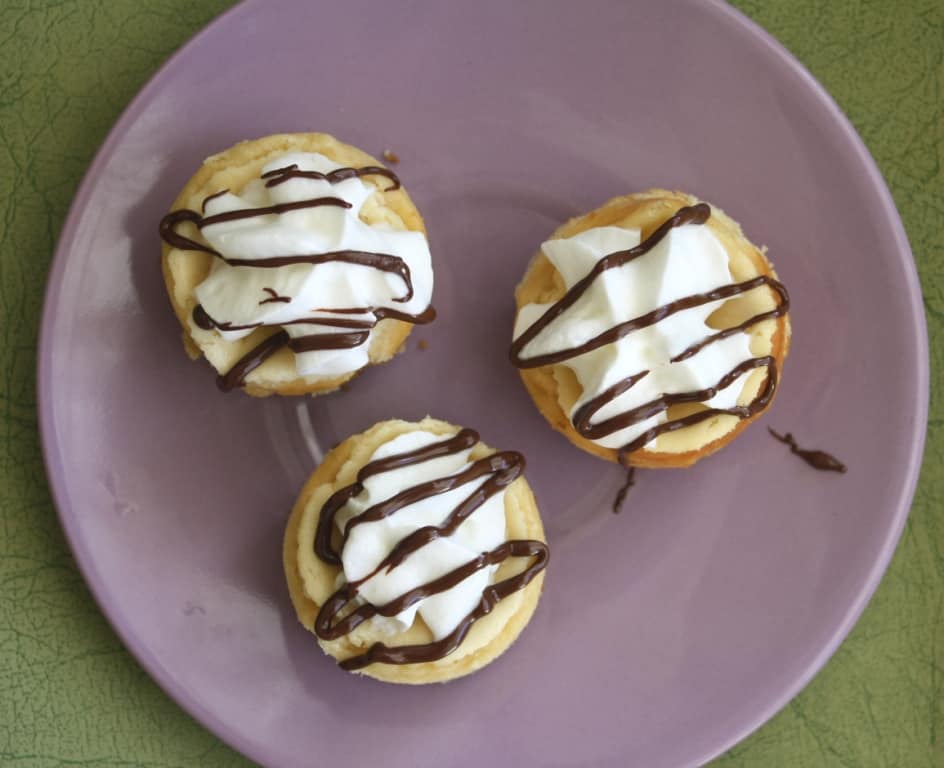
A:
205,716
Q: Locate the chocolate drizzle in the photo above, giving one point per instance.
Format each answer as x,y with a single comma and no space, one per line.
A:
170,235
266,210
491,596
236,376
359,333
356,331
383,262
662,403
380,261
817,459
203,205
281,175
500,469
583,417
274,297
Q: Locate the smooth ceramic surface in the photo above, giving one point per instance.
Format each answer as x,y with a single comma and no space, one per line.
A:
665,633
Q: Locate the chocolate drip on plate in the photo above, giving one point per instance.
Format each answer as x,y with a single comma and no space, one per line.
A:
624,490
501,469
582,419
820,460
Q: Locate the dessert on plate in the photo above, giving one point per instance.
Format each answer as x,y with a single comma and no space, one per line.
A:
415,553
293,261
651,331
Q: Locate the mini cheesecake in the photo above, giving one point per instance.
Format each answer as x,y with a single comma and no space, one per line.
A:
415,553
293,262
651,331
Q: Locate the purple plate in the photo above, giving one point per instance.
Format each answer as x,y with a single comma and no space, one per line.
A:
666,633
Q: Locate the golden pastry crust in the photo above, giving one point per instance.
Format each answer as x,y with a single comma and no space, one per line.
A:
184,270
548,385
311,581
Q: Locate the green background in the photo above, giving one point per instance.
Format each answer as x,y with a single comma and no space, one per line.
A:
71,695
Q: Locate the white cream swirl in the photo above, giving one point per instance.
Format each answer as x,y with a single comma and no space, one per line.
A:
368,543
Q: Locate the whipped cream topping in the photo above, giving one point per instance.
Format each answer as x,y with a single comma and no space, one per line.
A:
240,298
687,261
368,543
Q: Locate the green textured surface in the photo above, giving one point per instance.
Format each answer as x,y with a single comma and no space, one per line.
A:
71,695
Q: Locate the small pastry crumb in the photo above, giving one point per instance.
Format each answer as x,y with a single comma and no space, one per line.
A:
391,157
423,344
